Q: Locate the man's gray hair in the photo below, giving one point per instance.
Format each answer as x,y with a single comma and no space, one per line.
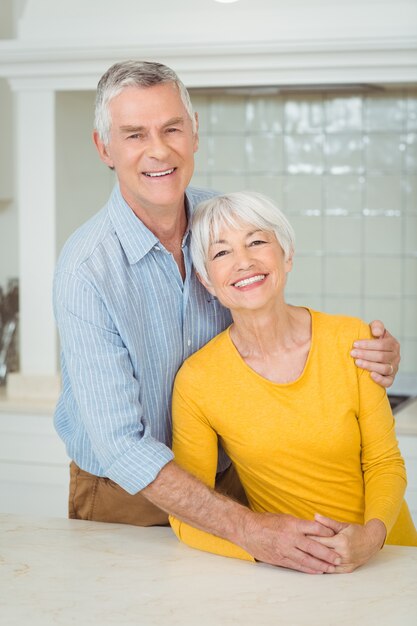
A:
133,74
230,210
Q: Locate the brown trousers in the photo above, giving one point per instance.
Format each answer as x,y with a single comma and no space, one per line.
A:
102,500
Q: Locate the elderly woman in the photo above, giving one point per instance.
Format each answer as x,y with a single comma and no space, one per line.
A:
308,433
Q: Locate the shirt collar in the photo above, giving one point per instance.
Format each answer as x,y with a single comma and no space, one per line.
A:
135,238
189,208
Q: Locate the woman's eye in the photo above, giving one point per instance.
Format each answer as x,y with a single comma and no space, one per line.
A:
257,242
219,254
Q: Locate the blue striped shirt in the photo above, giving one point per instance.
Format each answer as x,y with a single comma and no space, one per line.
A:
127,321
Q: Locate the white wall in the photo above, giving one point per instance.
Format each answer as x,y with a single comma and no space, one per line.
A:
202,21
83,181
8,213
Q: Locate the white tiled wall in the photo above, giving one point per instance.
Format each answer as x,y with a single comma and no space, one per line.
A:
344,169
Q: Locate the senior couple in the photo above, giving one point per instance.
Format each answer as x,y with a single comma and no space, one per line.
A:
284,448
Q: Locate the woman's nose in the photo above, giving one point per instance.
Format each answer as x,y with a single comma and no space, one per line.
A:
244,259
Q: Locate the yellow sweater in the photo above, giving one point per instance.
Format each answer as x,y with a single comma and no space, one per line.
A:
324,443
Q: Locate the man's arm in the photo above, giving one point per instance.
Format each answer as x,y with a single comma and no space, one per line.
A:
381,356
276,539
105,389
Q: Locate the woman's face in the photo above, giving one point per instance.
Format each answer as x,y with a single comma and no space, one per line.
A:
246,267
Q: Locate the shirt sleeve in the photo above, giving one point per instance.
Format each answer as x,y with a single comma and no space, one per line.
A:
104,386
195,446
382,464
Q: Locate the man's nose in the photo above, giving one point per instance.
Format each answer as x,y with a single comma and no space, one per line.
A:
157,148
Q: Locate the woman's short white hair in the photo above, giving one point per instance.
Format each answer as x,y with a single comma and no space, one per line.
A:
230,210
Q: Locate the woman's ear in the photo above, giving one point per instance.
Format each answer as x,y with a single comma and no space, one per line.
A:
288,263
206,284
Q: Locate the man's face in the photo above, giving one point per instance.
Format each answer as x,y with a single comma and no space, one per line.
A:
151,147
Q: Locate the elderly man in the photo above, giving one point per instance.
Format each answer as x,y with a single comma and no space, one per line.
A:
130,309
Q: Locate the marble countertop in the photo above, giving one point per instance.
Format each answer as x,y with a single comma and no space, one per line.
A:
62,572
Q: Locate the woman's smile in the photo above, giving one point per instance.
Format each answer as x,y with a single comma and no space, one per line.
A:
251,281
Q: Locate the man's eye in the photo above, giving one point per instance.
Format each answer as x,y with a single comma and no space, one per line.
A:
135,136
173,130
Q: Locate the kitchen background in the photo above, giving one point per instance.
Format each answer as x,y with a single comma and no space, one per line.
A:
339,157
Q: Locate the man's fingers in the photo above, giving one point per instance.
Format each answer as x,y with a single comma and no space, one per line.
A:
296,565
374,351
303,562
378,328
314,548
384,381
385,350
384,369
383,374
386,345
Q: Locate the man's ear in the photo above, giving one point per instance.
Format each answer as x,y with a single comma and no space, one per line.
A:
206,284
196,136
102,150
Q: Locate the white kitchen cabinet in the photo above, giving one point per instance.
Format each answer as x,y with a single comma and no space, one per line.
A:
34,468
408,447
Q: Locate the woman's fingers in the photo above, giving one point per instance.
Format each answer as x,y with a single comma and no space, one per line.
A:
333,524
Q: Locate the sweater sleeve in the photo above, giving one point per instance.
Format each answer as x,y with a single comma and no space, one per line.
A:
195,447
382,464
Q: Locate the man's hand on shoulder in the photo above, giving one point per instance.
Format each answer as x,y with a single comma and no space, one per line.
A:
380,356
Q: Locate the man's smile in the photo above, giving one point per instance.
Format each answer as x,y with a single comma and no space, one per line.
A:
159,174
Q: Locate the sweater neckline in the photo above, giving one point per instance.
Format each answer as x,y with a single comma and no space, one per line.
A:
239,358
